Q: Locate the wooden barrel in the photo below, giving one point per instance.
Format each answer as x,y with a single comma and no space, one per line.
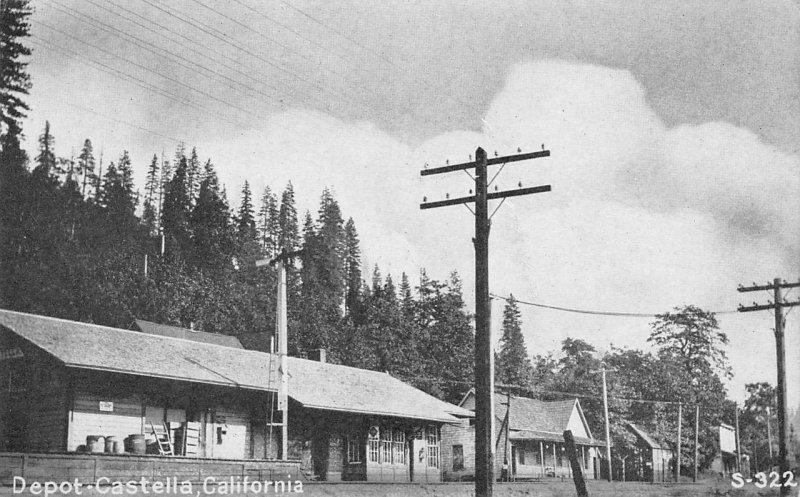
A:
95,443
110,441
135,444
119,447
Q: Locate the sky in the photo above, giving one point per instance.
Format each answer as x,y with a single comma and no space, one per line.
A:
673,126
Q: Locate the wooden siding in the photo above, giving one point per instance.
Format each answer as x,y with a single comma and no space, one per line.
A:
87,419
464,435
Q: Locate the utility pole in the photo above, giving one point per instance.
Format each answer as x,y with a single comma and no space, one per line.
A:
484,388
608,426
283,349
769,436
738,445
678,445
783,415
696,439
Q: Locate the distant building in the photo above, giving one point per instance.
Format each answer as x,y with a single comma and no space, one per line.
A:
648,460
535,447
65,383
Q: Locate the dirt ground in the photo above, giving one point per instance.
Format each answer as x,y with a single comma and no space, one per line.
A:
552,488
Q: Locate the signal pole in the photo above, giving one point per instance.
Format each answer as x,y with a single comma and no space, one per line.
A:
484,388
783,436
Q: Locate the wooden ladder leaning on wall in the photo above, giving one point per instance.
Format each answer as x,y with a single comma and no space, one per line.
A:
163,439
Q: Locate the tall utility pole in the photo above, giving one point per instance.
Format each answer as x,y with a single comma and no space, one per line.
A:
283,349
696,439
484,389
678,445
738,445
769,436
783,416
608,424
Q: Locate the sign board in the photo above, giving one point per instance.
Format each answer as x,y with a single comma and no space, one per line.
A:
13,353
727,439
106,406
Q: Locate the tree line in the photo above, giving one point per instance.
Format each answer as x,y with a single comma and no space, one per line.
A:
75,234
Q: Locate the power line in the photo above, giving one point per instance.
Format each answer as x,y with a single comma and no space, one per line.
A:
143,45
224,37
43,43
594,313
189,87
262,35
164,29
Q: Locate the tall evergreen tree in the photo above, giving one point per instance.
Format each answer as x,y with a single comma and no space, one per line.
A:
210,225
86,164
176,210
14,78
513,366
287,221
151,192
245,220
46,160
193,175
352,262
268,223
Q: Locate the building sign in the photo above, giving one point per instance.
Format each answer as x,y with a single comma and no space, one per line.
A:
13,353
727,439
106,406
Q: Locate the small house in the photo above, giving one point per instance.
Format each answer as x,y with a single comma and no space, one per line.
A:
648,460
528,439
169,401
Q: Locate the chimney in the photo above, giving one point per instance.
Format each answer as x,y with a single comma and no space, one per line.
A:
317,355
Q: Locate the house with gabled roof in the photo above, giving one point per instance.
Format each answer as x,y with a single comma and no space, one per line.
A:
649,460
528,439
66,384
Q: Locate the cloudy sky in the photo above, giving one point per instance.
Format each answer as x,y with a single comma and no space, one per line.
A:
674,129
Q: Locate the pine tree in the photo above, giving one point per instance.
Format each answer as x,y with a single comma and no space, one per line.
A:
16,82
268,223
406,299
193,176
46,160
287,221
176,209
151,189
513,366
352,267
210,225
245,222
86,164
330,251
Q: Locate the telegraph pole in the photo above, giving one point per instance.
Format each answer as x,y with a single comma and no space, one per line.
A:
777,305
608,424
769,436
283,350
678,445
484,389
696,439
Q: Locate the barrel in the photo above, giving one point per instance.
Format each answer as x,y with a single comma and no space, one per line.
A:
135,444
95,443
119,447
110,441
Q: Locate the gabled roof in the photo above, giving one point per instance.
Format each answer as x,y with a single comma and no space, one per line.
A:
313,384
197,336
333,387
90,346
644,436
539,419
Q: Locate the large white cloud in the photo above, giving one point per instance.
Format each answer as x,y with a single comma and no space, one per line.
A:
641,217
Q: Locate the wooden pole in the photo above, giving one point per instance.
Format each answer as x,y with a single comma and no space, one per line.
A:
678,445
696,439
577,470
484,390
608,428
541,459
508,464
283,390
783,415
769,436
738,446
